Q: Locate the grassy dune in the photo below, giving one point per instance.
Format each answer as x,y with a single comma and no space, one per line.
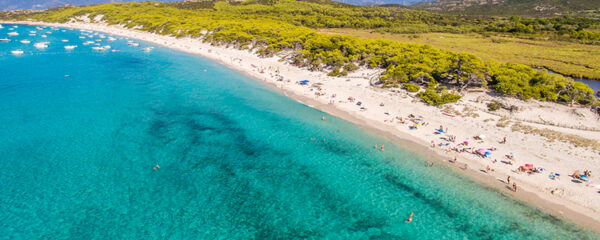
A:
568,58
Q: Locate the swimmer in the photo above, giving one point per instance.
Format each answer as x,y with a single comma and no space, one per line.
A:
409,220
156,167
376,146
381,148
427,164
323,118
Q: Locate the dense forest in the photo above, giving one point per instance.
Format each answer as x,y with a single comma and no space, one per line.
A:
288,26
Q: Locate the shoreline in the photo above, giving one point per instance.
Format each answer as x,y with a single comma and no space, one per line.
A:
584,216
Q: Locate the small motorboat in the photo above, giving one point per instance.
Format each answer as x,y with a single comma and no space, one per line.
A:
4,40
148,49
25,41
13,34
99,48
70,47
64,40
41,45
17,52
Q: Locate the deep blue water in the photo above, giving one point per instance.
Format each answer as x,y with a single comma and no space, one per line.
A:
237,160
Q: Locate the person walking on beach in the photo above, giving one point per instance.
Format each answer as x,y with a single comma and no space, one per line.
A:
508,179
514,187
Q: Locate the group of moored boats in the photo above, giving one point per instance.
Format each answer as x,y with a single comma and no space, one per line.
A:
96,42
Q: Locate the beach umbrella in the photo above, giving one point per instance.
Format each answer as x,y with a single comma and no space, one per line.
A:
304,81
481,151
466,143
488,153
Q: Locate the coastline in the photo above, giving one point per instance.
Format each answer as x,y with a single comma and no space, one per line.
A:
581,214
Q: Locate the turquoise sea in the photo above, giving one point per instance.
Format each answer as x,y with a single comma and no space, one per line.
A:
237,160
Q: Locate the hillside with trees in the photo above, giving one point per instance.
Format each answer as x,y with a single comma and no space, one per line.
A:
513,7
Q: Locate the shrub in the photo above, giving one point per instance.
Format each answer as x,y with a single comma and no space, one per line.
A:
493,106
438,96
411,87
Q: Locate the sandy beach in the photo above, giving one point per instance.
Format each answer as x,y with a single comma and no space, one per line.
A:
555,139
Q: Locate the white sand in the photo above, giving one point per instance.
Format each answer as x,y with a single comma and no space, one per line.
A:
557,156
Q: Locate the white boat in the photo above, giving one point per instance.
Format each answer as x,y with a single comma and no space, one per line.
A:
1,27
15,26
110,39
70,47
25,41
135,44
44,36
4,40
148,49
107,47
99,48
32,34
38,28
88,42
41,45
64,40
48,32
17,52
81,37
98,40
13,34
32,31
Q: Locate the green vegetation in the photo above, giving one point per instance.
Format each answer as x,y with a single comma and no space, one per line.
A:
493,106
514,7
269,27
568,58
438,95
411,87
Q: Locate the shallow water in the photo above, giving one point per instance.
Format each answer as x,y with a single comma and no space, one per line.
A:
237,161
594,84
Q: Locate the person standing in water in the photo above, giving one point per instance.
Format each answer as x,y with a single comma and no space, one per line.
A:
409,220
381,148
